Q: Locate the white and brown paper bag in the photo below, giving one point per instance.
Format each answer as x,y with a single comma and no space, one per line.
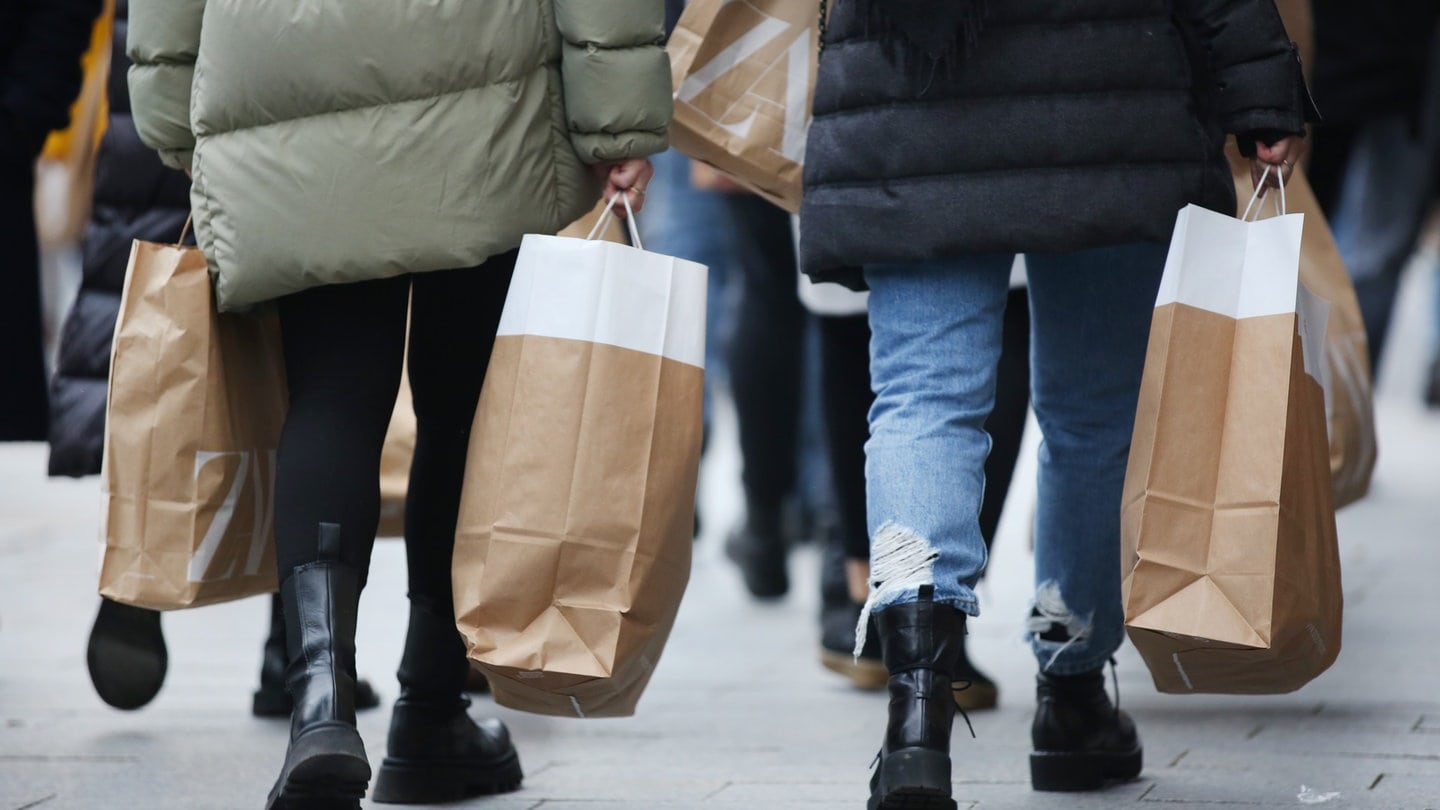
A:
1349,392
744,73
1230,565
193,418
399,448
575,529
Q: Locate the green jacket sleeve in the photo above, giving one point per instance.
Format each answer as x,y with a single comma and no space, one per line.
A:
616,77
1257,83
162,42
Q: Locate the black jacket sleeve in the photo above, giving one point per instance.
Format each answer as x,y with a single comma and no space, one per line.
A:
42,75
1257,84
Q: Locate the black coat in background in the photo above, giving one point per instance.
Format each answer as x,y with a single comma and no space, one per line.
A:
136,197
1372,61
41,42
1069,125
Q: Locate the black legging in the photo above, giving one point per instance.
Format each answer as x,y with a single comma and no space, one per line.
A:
765,357
845,380
343,350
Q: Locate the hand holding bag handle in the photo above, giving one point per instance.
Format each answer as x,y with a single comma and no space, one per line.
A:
603,221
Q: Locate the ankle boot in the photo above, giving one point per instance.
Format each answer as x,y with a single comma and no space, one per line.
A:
920,642
325,765
271,699
1081,739
436,753
126,655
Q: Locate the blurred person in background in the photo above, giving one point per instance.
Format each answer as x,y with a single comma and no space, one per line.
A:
41,43
765,361
357,166
135,197
700,215
948,136
1375,165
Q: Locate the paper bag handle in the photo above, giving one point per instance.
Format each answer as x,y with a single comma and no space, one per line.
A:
1261,191
185,231
609,212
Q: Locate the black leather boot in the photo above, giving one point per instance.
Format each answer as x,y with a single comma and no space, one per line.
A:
436,753
272,699
325,765
126,655
920,644
759,550
1081,739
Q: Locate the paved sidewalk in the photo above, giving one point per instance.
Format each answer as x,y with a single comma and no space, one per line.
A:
740,715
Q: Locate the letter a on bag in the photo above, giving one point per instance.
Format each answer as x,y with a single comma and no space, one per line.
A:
744,81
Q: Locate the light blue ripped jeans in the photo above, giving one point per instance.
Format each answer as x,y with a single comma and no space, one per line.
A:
936,341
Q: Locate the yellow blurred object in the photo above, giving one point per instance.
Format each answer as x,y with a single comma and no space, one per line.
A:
65,173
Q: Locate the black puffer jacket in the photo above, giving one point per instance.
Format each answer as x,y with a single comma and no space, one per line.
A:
1372,59
1069,125
136,197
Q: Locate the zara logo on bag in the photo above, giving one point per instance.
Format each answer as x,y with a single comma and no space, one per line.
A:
761,78
227,540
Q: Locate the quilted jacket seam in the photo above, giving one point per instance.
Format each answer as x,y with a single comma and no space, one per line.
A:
1188,164
393,102
958,101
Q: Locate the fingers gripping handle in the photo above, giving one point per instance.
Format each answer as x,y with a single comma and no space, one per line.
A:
604,220
1257,200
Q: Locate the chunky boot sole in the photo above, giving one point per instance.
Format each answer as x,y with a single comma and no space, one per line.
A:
1064,771
867,673
126,655
325,769
403,781
913,779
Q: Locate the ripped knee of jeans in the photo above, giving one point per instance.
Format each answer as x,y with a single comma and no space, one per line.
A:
901,559
1052,622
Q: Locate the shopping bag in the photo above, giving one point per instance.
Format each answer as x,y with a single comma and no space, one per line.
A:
575,530
395,457
1230,564
193,416
1349,395
399,446
744,79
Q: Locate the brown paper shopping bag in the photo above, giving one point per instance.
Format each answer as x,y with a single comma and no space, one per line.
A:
574,538
399,446
395,458
1349,395
744,73
1230,565
195,407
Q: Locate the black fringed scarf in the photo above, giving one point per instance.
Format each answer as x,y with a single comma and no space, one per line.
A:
942,30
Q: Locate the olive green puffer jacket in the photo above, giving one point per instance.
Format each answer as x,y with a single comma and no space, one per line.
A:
343,140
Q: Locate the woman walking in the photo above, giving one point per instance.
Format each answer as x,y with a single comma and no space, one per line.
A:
948,136
358,164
